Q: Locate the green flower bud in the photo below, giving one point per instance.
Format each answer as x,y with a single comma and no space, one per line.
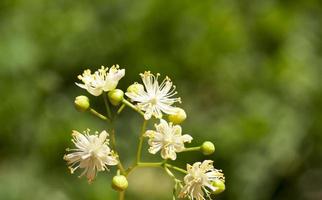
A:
135,88
119,183
178,117
115,96
82,103
207,148
219,185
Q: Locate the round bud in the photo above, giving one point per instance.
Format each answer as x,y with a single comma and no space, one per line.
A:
207,148
115,96
119,183
81,103
219,185
178,117
135,88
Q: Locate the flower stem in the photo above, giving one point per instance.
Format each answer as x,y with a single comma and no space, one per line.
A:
99,115
129,104
150,164
175,168
121,195
107,105
121,109
139,151
191,149
113,143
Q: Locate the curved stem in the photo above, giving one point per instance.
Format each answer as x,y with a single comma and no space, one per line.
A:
99,115
139,151
113,144
129,104
112,133
121,109
175,168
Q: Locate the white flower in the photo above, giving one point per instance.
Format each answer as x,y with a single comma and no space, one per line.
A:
157,98
91,154
199,179
101,80
168,139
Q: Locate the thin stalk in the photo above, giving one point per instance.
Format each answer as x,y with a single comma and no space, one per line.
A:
129,104
107,105
191,149
113,144
175,168
149,164
139,151
99,115
121,109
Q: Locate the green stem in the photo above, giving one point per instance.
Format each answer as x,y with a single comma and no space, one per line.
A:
113,144
99,115
121,195
143,164
175,168
150,164
129,104
107,105
139,151
191,149
121,109
169,172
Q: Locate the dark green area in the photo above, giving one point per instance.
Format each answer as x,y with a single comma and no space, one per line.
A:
249,74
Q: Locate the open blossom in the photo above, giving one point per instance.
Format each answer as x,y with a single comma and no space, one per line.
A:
168,139
156,98
198,181
92,154
101,80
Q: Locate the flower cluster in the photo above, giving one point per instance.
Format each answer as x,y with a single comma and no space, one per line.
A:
93,152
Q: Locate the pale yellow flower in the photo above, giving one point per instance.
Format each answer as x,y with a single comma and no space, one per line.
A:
101,80
92,154
168,139
198,181
156,98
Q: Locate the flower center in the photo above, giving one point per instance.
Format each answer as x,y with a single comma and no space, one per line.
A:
153,100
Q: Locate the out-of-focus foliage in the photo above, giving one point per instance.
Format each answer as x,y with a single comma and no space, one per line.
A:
249,74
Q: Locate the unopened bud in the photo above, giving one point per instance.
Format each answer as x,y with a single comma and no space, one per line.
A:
119,183
207,148
178,117
219,185
135,88
115,96
81,103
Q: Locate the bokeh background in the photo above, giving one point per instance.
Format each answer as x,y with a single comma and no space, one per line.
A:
249,74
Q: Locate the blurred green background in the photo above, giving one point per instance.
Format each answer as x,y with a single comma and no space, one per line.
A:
249,74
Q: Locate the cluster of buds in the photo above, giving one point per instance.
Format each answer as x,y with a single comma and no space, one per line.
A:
152,99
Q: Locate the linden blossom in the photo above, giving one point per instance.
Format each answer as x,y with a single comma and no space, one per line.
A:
198,181
92,153
157,98
101,80
168,139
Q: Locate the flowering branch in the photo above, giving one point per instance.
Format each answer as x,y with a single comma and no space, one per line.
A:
95,152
